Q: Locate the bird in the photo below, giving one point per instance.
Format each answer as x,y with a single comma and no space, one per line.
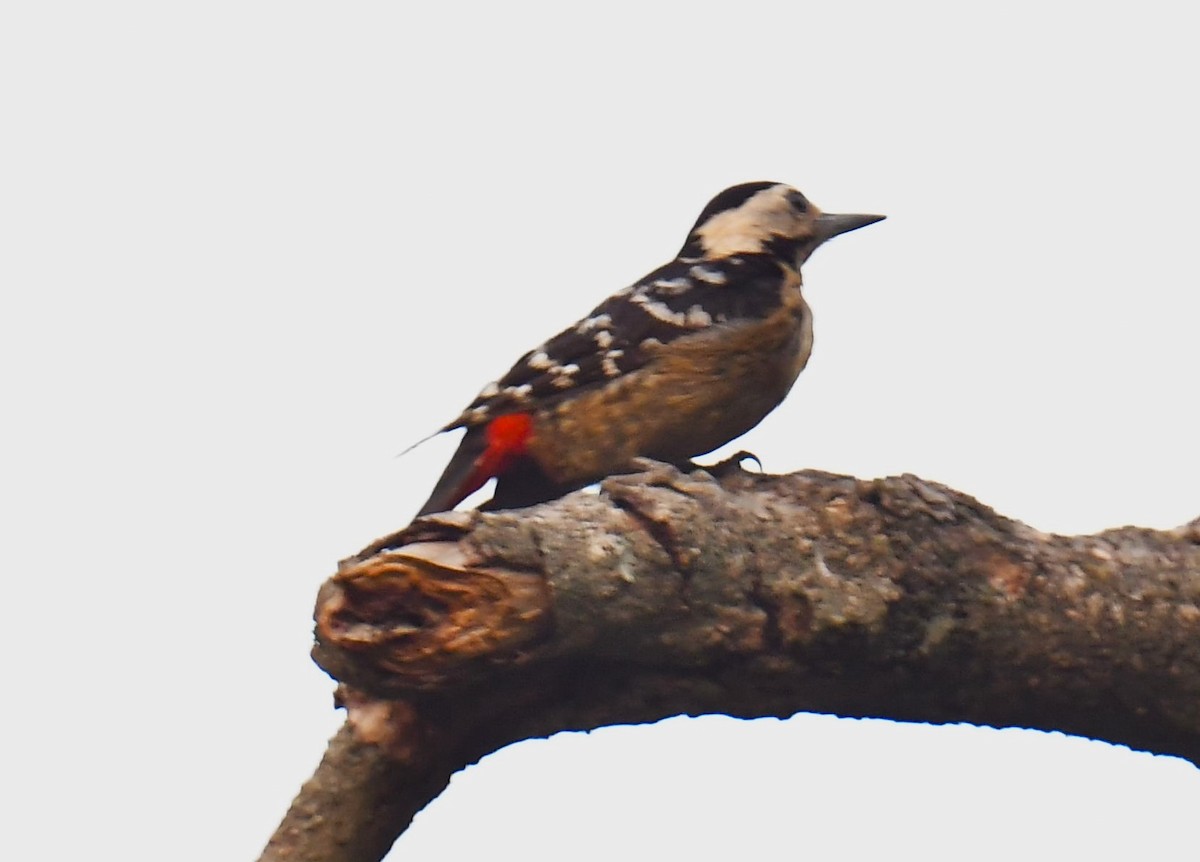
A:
673,366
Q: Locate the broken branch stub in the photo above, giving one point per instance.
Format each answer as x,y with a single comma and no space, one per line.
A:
426,617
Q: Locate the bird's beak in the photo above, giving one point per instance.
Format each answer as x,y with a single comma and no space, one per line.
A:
830,225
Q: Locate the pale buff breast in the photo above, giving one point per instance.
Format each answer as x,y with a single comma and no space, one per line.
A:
697,394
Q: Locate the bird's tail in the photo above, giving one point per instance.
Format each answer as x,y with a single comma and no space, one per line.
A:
459,480
487,451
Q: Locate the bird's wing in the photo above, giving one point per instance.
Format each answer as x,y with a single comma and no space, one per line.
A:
622,333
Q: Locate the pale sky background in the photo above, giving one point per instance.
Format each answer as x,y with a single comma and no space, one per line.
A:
249,251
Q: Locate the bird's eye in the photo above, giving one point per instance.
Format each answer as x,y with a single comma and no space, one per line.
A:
798,201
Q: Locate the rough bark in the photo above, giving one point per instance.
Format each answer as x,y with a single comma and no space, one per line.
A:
755,595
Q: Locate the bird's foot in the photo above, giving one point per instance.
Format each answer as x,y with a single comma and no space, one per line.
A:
731,465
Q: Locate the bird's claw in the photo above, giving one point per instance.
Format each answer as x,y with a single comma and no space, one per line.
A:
733,464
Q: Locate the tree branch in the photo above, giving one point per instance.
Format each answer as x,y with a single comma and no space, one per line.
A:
753,596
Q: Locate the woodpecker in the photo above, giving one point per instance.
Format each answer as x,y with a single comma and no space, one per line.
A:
684,360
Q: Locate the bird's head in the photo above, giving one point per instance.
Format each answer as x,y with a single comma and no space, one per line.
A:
764,217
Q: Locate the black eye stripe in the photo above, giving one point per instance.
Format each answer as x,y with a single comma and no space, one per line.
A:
798,201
